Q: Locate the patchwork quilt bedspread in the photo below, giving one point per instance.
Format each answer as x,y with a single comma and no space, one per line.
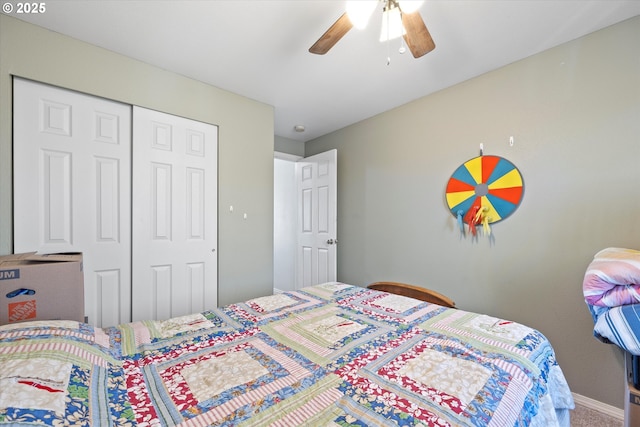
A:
328,355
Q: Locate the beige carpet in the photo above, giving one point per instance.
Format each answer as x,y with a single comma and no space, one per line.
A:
586,417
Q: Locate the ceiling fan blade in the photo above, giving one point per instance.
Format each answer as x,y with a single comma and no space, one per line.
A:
332,35
417,38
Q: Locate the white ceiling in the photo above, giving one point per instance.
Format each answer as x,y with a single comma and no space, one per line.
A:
259,48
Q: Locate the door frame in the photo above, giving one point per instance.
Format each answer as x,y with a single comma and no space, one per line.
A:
284,233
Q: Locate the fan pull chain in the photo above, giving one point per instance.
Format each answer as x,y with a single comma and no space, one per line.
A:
388,37
388,53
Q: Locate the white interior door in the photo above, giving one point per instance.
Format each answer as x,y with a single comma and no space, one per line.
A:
72,162
316,179
174,215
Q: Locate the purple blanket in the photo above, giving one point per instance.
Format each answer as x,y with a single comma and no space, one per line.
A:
613,278
612,291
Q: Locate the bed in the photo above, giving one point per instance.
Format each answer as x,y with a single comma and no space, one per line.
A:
327,355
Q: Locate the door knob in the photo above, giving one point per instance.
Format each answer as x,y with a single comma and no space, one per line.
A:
332,241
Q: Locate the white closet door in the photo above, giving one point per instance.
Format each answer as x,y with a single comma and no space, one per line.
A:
72,156
174,215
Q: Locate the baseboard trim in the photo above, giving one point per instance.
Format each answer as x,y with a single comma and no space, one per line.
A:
596,405
277,291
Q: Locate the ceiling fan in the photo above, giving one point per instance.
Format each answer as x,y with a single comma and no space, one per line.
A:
409,23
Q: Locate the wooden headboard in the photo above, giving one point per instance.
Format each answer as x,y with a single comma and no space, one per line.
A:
412,291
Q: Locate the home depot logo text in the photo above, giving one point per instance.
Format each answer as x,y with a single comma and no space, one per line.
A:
22,310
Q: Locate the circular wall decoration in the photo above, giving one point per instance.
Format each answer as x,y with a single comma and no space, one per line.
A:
490,184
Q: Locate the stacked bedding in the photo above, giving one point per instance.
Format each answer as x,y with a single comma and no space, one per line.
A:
611,290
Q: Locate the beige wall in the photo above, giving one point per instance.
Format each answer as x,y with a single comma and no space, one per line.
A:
574,112
288,146
245,247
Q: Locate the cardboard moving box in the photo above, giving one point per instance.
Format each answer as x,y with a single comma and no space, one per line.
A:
41,287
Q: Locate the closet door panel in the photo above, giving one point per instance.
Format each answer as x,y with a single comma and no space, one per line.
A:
108,199
72,183
161,201
110,287
174,215
55,191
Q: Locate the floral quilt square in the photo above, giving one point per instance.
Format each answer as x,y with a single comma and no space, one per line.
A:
154,335
493,334
35,383
333,329
225,379
418,376
182,324
208,378
324,335
503,329
271,303
397,303
269,308
391,308
440,373
331,291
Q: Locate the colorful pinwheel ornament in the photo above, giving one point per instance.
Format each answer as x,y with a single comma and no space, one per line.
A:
482,191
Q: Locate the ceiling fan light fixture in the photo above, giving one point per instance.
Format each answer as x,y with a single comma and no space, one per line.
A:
397,21
391,25
360,11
